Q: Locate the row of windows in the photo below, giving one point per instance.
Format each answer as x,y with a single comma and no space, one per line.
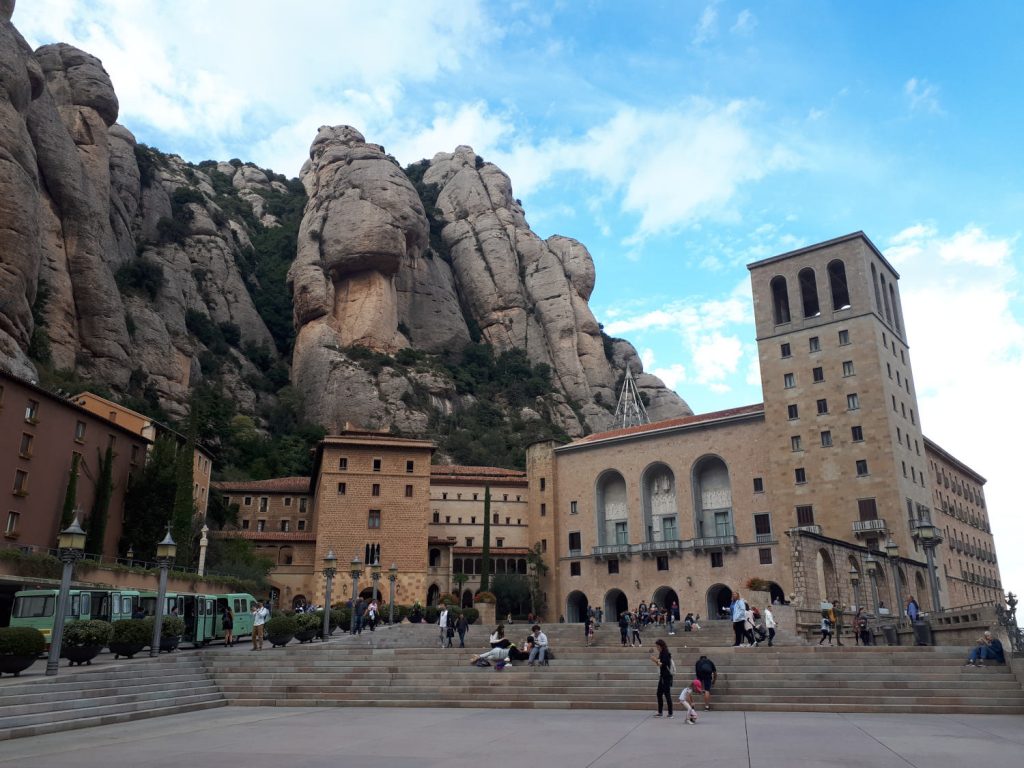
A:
817,375
800,473
476,496
957,510
814,344
283,525
900,381
472,520
958,486
716,560
821,406
808,284
376,464
499,565
264,502
825,436
374,490
892,345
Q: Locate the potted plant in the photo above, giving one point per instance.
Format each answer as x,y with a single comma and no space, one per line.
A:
308,626
280,630
416,614
83,640
486,604
171,630
129,636
19,647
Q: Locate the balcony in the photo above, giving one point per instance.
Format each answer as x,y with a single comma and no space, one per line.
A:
809,528
575,553
765,538
612,550
715,543
662,546
869,527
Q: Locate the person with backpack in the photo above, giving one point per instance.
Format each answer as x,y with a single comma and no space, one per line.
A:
624,628
826,630
666,667
707,674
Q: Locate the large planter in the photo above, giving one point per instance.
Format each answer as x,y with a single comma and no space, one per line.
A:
279,640
81,654
15,665
128,650
168,644
307,635
486,613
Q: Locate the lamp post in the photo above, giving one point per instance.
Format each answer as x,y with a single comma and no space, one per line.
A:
855,581
392,577
70,549
330,563
929,536
871,565
165,552
892,549
204,542
375,577
356,570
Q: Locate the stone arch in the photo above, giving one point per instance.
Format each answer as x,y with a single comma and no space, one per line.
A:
499,566
297,601
521,566
882,585
719,596
457,565
885,299
370,593
658,500
838,286
664,596
615,602
780,300
809,292
576,607
435,557
919,585
712,498
776,594
857,600
285,556
878,293
612,508
467,598
895,308
433,593
827,584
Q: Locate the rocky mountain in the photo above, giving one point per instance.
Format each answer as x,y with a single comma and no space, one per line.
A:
361,286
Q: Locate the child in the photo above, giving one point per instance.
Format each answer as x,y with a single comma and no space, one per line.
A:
686,699
590,630
826,630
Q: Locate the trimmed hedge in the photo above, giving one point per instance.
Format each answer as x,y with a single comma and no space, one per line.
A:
87,633
21,641
131,631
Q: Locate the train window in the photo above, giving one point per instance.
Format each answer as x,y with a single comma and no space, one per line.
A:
34,607
126,605
238,605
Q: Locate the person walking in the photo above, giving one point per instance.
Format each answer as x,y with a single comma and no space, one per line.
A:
837,612
663,659
358,609
913,609
769,624
588,631
860,628
462,627
260,614
227,623
707,674
826,630
624,628
635,639
371,615
444,622
748,628
671,617
738,612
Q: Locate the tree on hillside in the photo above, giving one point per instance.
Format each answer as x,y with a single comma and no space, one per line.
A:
97,527
70,494
184,510
149,500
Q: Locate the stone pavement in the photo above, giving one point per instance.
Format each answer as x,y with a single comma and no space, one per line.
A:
320,737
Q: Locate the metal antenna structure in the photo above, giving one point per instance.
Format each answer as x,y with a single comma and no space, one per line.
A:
630,411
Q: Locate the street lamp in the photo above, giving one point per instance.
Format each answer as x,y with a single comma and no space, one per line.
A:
375,577
165,552
855,581
892,550
330,563
392,577
70,549
204,542
929,537
356,570
871,566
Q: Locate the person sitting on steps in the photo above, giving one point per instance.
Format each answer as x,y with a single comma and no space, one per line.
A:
988,648
540,646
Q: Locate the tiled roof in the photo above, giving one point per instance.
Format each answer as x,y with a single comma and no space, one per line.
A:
273,485
460,470
682,421
293,536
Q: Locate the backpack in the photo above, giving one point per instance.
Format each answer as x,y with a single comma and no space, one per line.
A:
672,666
703,668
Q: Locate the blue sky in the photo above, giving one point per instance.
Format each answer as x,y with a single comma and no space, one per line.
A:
678,141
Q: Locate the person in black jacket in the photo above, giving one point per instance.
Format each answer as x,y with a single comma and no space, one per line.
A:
624,627
663,659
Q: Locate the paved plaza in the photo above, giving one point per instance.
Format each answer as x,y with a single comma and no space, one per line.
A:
332,737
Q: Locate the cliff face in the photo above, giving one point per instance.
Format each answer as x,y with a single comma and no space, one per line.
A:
149,276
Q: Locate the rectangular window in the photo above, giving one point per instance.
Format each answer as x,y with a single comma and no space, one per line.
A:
285,526
245,525
912,417
302,505
574,568
903,407
814,344
621,533
822,407
408,491
844,338
20,482
795,443
264,503
499,542
373,519
662,562
301,525
805,515
543,483
543,545
575,541
763,524
717,561
247,501
613,566
764,555
287,501
888,367
788,380
785,350
342,487
261,525
758,485
31,411
848,368
862,467
25,450
469,541
410,466
135,454
437,516
818,374
573,509
376,465
668,529
12,523
867,509
852,402
800,475
894,408
375,489
79,431
826,439
793,412
543,510
343,463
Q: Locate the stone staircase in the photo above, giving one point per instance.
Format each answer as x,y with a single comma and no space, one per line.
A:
101,695
386,669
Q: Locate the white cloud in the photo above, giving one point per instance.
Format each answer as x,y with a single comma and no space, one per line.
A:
647,358
707,24
922,96
962,304
746,22
716,358
673,375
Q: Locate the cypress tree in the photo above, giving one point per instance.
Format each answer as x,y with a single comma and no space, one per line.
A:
101,504
485,577
71,494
